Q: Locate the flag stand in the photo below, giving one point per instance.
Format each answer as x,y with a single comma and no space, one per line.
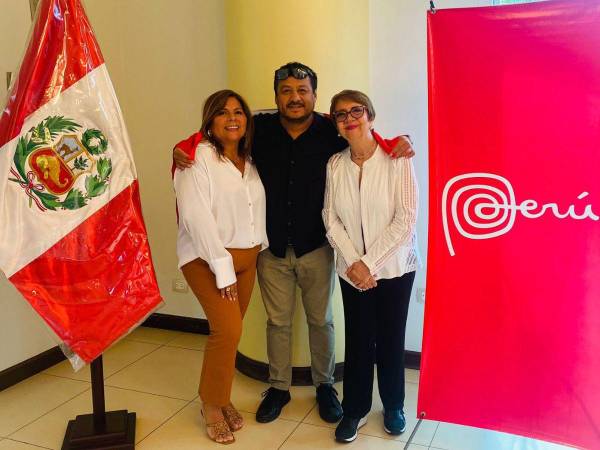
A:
114,430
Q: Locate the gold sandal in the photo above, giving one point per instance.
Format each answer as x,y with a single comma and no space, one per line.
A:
219,432
233,418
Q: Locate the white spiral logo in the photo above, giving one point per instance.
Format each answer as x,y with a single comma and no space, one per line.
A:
486,197
489,209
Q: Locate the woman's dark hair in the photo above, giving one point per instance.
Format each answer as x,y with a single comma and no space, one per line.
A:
212,106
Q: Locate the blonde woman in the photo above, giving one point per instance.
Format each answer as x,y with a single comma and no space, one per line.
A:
370,211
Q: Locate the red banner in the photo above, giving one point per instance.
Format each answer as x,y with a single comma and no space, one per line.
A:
512,320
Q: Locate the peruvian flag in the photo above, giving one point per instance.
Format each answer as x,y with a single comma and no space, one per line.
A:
72,236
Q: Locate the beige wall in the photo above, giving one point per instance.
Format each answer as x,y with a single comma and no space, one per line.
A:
262,36
14,25
164,58
22,332
329,36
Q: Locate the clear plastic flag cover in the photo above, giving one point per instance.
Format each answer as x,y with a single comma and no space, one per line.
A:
72,235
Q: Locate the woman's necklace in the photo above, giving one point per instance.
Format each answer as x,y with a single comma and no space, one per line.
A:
356,157
360,159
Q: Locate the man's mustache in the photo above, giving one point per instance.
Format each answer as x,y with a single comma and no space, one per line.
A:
292,104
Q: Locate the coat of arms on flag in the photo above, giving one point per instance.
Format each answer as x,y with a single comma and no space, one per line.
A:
51,157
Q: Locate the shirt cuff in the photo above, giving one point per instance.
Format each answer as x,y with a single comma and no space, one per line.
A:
369,263
224,271
350,256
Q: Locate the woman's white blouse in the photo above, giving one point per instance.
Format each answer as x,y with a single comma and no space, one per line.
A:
374,221
218,209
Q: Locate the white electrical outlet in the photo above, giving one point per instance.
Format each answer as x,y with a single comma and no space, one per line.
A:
420,294
180,285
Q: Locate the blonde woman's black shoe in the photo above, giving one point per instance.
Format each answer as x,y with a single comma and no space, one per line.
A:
394,421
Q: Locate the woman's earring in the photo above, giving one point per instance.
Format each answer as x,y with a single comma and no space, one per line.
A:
209,133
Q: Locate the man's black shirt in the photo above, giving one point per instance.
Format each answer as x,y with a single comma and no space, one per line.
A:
293,174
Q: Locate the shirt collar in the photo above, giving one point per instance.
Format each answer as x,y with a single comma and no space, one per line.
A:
319,123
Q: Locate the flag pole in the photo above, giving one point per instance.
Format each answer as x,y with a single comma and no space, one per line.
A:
98,402
101,429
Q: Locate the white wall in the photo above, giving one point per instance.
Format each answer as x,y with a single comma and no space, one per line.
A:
398,63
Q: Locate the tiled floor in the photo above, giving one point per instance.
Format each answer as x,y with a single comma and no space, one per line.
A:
155,373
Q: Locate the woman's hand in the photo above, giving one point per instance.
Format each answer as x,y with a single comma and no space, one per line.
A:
361,276
181,159
367,283
403,149
230,292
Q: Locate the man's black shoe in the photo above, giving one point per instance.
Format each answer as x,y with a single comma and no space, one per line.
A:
270,407
347,429
394,421
330,409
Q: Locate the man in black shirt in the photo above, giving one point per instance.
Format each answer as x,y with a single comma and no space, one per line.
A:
291,149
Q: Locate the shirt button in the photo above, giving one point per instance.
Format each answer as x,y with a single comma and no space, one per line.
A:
289,224
292,162
249,204
289,203
291,181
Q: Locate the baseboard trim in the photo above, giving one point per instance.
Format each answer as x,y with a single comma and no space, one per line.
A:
38,363
258,370
30,367
301,376
177,323
412,360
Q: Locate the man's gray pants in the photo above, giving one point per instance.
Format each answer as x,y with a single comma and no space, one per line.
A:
278,277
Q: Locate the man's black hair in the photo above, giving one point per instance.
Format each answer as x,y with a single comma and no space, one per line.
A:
312,75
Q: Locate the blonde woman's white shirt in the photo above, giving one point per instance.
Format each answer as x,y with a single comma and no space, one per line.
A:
374,221
218,209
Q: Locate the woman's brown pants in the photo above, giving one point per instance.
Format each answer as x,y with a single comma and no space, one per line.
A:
225,321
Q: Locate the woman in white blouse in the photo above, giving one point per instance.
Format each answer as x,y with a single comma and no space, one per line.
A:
221,204
370,211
